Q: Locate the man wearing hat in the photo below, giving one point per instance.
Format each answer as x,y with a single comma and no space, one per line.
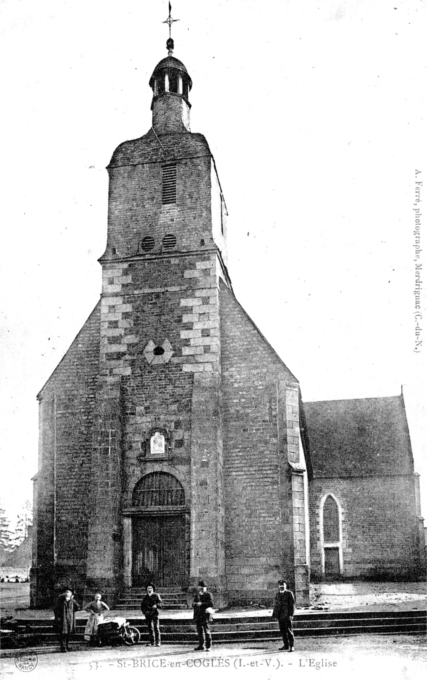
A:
283,611
65,618
203,615
150,608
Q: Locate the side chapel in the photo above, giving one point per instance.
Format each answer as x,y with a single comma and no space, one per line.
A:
174,444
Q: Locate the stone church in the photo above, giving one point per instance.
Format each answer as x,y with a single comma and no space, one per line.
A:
174,444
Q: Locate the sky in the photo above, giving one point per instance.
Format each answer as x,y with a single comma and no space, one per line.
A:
315,113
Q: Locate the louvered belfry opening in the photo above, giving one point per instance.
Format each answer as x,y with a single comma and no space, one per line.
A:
158,489
169,184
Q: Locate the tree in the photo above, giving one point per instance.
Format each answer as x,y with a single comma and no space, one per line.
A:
24,520
6,535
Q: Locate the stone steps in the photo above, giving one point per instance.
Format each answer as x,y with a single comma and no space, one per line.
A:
140,590
236,629
173,598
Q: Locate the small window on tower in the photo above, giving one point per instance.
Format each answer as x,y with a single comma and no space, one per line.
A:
169,184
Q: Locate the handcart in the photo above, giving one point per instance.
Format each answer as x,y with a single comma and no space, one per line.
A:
117,631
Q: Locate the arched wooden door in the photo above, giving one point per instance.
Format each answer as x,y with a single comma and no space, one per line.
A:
158,533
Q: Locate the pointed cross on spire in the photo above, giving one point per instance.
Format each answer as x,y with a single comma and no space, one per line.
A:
170,21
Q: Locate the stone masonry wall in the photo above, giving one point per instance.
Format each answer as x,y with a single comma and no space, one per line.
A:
66,411
380,537
43,559
170,113
260,425
166,296
136,210
146,304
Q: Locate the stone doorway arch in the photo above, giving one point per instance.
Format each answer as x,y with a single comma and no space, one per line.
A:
159,532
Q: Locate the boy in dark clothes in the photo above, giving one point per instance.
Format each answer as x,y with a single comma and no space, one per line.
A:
150,608
283,611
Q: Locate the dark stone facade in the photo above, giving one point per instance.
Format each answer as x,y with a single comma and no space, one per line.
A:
170,389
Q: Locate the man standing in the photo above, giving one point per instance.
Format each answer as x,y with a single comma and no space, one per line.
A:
65,618
283,611
203,615
150,608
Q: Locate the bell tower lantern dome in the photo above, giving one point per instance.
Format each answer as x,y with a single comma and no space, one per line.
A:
171,85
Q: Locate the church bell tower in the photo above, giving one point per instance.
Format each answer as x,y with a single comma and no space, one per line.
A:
157,459
170,446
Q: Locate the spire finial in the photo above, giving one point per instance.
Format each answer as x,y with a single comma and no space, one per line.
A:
170,21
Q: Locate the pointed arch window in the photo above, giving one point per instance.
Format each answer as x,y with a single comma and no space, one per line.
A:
331,528
331,537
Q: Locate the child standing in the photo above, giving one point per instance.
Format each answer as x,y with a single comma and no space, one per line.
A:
150,608
96,610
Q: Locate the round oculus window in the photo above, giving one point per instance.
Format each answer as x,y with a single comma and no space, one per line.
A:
147,243
169,241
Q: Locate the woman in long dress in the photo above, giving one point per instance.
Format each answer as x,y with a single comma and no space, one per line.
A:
96,610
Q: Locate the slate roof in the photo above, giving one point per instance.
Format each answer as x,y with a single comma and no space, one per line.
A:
152,148
355,437
169,62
